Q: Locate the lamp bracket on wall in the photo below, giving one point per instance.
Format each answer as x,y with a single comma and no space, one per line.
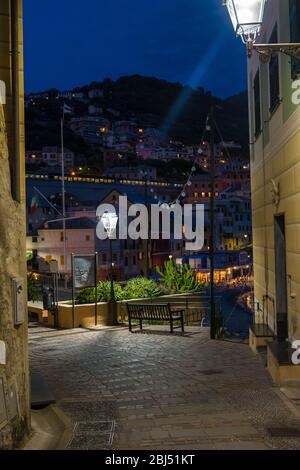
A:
275,190
266,51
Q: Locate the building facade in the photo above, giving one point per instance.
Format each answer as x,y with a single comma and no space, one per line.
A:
91,128
14,387
50,156
275,174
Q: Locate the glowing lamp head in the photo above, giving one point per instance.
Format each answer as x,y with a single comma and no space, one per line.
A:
246,16
110,222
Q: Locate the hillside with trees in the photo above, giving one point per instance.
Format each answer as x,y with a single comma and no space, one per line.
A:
178,110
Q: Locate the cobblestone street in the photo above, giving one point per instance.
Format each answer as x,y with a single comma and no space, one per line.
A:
157,391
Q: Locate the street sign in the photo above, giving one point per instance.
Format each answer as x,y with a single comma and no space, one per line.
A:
84,275
84,271
54,266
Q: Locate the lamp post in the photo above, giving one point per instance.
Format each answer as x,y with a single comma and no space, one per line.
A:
247,19
148,244
211,128
110,221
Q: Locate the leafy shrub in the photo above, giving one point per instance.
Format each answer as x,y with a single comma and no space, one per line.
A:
178,279
87,296
103,291
32,289
141,288
173,280
138,288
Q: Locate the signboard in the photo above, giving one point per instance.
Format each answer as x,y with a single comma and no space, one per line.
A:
84,274
18,290
54,266
84,271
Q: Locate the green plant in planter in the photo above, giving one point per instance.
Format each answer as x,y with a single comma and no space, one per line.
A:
87,296
178,279
141,288
32,289
103,291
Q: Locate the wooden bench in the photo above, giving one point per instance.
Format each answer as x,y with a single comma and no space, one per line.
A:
155,312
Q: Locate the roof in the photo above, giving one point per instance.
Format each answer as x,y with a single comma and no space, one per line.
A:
55,149
85,193
75,224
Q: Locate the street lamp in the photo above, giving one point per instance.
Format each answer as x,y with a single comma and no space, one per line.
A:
110,222
144,173
247,18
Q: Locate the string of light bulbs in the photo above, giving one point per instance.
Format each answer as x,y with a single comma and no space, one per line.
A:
188,183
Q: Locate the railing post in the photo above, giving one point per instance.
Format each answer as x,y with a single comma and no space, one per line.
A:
187,309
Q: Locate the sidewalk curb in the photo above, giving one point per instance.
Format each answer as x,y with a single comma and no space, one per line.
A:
288,402
51,430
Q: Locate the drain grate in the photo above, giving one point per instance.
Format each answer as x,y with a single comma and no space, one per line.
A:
284,432
92,435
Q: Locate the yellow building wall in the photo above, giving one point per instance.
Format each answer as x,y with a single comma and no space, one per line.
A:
283,165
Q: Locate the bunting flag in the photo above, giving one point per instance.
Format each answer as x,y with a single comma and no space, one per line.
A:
34,204
67,109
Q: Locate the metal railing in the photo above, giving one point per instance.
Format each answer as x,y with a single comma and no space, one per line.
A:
196,307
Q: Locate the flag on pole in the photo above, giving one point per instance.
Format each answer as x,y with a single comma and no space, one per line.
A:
34,204
67,109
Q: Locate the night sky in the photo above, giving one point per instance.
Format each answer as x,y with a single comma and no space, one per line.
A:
73,42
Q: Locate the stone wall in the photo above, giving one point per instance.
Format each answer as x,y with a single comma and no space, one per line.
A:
15,407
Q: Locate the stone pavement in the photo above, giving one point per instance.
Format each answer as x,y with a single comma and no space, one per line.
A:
157,391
